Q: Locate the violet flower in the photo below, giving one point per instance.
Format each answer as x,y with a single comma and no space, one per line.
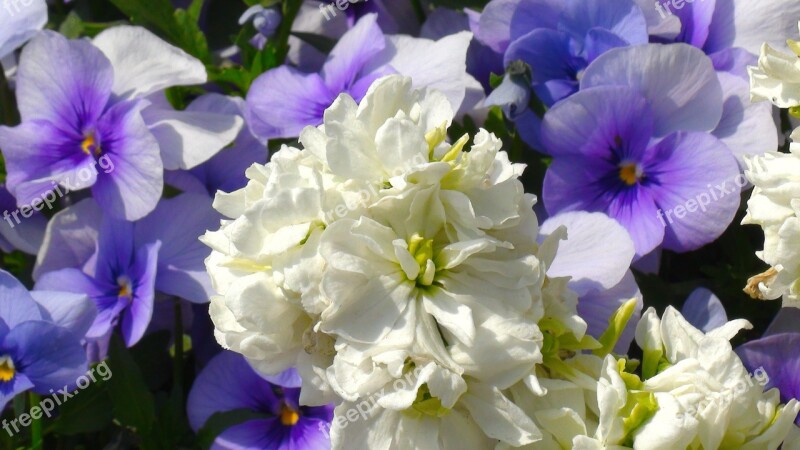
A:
121,265
228,383
83,104
633,143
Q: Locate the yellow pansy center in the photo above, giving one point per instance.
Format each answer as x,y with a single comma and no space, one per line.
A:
630,173
89,145
7,369
289,416
125,288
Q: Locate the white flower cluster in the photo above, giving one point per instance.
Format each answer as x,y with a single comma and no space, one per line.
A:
401,275
691,391
775,201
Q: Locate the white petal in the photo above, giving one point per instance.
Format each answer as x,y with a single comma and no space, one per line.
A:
144,63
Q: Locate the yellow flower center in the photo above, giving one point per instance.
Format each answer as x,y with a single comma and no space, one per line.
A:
630,173
125,289
89,145
289,416
7,369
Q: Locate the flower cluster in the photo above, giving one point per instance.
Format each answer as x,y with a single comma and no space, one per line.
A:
405,224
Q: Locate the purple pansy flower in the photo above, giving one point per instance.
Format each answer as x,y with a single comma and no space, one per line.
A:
633,143
95,113
558,40
596,254
746,128
228,383
40,343
121,265
283,101
224,171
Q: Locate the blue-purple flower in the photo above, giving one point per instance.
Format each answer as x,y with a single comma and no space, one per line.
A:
634,143
121,265
83,106
40,338
558,40
228,383
283,101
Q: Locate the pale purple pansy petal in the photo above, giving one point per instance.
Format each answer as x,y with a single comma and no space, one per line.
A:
71,238
623,18
65,82
596,254
176,223
283,101
190,137
133,182
19,232
21,23
75,312
50,356
748,24
595,121
144,63
696,192
443,68
225,170
352,53
678,81
746,128
704,311
288,378
16,304
733,61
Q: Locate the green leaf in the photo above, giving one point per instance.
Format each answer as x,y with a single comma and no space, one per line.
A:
134,405
221,421
86,412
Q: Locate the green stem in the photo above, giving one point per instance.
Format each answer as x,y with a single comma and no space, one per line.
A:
281,39
36,424
419,10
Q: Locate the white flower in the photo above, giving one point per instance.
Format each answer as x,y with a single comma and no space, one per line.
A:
775,206
777,77
422,411
380,246
712,399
